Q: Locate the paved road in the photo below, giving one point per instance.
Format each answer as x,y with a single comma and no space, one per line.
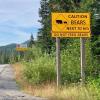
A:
8,88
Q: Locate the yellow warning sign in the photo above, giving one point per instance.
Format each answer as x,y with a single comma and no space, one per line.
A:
21,47
71,25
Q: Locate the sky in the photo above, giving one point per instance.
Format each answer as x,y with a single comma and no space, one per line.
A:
18,19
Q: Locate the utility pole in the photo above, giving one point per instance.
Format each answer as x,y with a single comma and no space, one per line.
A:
58,62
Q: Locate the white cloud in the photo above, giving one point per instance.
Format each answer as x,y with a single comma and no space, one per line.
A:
23,12
17,14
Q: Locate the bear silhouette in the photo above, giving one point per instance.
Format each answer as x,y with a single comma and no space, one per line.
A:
65,22
59,21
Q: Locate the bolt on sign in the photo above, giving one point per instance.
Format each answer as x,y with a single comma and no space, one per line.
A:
21,47
71,25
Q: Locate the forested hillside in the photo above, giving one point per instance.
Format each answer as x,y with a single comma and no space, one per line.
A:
9,54
6,52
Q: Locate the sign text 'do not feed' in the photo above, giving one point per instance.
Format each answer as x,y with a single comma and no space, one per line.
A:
71,25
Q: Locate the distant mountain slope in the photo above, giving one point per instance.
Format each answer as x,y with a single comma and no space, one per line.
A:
8,52
10,46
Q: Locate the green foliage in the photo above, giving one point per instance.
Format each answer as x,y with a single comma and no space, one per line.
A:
8,54
13,57
95,48
31,41
71,62
40,70
70,52
45,41
32,54
94,82
93,85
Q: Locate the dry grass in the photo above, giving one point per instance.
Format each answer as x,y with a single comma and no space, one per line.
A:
50,91
18,71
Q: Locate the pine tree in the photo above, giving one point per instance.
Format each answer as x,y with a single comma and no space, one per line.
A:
45,40
95,40
31,41
44,34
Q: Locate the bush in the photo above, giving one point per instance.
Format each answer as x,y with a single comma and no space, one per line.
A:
71,63
32,53
42,67
40,70
93,85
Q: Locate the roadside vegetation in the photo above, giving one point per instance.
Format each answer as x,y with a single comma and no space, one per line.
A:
37,76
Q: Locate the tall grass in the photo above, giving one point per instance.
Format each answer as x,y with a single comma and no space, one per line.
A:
40,70
91,91
40,67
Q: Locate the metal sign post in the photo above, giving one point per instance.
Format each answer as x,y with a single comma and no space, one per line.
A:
82,50
58,61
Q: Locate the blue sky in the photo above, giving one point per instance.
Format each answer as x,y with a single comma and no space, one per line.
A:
18,19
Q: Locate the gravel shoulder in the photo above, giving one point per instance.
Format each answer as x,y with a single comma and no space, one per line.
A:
9,90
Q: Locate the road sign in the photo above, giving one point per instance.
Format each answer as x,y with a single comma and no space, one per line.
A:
21,47
71,25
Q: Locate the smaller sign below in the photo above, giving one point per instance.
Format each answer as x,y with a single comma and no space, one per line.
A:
21,47
71,35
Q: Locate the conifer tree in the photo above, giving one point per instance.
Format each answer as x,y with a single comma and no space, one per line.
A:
44,34
95,40
31,41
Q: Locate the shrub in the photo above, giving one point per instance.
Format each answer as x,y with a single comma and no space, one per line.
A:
93,85
42,66
40,70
